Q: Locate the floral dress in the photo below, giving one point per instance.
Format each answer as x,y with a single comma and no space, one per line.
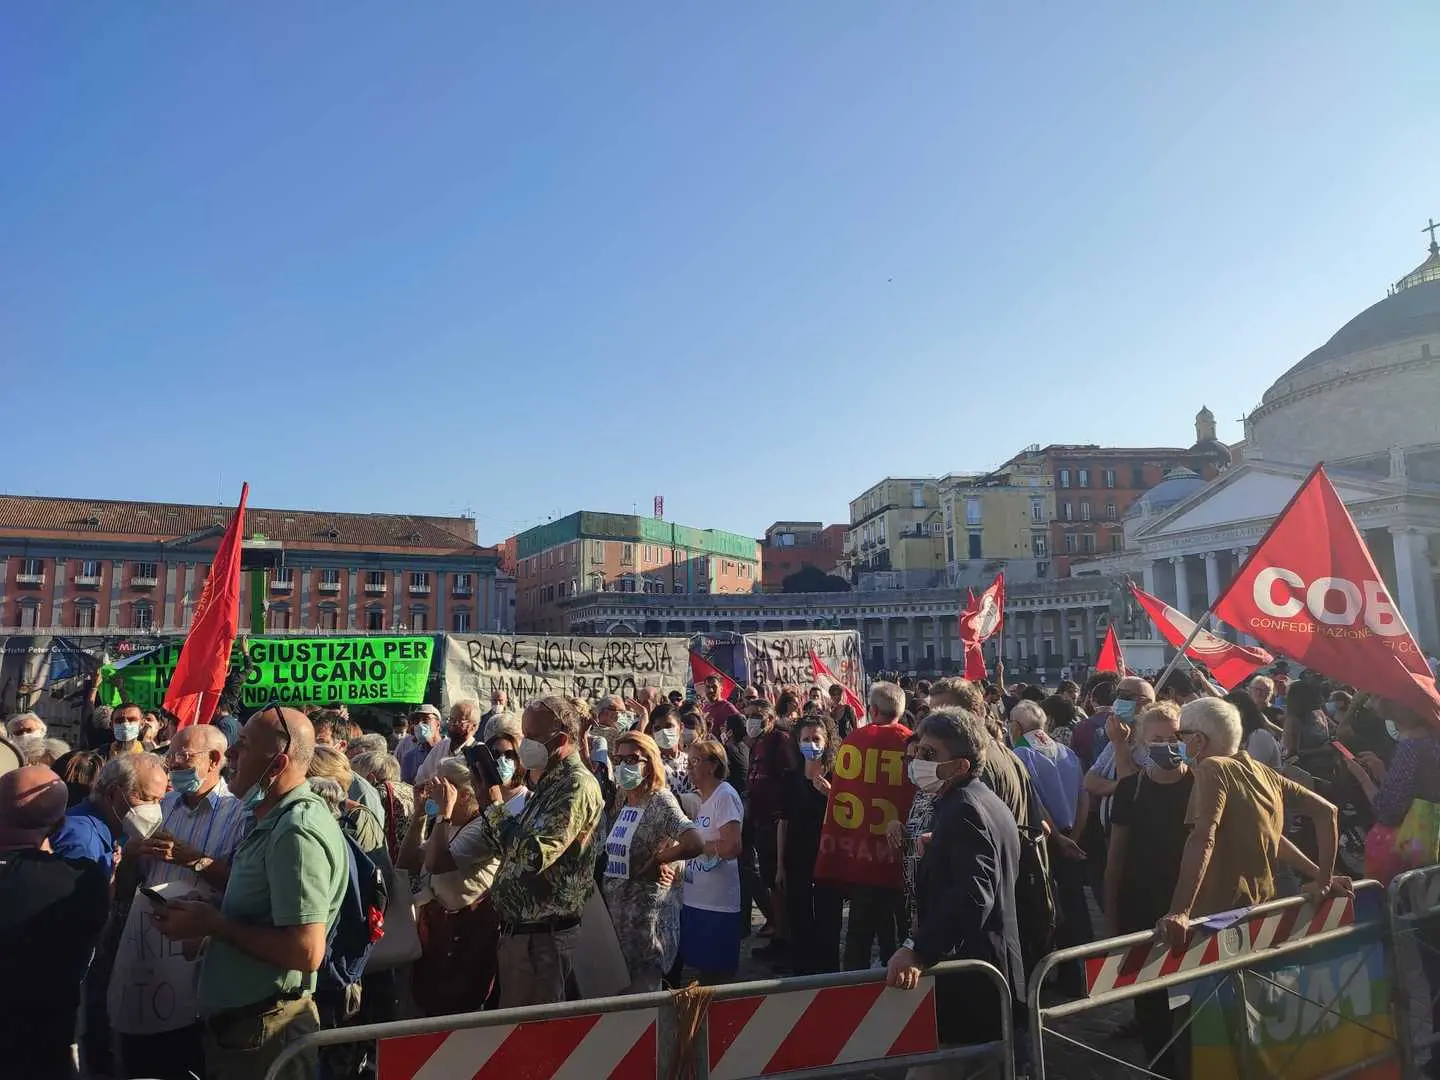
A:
922,810
646,916
677,774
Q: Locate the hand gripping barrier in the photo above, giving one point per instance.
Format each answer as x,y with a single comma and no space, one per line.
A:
828,1025
1233,945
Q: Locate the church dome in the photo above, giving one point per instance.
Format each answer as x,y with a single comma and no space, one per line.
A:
1177,486
1383,363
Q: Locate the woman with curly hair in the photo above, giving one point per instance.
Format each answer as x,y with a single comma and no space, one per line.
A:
813,908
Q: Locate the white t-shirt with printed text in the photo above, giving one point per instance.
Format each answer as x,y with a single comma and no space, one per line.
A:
710,884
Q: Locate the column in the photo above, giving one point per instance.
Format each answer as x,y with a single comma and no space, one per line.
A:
398,614
117,571
187,597
352,600
437,610
167,596
917,642
890,658
57,596
1415,584
304,574
1147,577
1212,578
1037,629
942,654
1241,554
1182,585
1090,652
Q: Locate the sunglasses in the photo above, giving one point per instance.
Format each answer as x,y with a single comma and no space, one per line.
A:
627,759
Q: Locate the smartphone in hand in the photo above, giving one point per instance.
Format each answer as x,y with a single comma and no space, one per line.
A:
1341,749
154,895
482,761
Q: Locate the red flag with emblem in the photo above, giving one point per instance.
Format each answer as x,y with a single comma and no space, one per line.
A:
1111,659
1229,663
199,676
701,669
981,620
1311,591
825,678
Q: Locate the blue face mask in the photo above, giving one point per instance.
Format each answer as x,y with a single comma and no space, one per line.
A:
185,781
423,732
125,733
506,768
255,793
432,808
812,751
1123,710
1166,755
629,776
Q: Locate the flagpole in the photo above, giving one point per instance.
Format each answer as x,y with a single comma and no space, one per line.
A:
1194,633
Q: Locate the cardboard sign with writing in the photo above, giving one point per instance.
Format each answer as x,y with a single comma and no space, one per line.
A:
868,790
782,658
531,665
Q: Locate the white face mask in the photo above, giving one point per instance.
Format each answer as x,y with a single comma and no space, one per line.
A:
754,725
667,738
142,821
925,775
533,755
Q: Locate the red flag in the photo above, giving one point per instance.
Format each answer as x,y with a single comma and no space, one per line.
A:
1111,659
1231,664
983,619
825,678
1310,590
869,789
199,676
701,669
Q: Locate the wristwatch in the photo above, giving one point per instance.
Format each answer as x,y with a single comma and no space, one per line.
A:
909,943
201,864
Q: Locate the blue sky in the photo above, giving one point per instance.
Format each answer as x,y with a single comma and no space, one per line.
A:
753,257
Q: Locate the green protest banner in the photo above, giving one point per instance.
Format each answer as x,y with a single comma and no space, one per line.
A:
297,670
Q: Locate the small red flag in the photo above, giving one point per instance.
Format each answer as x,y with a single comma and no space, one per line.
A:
984,617
701,669
1111,659
199,676
1310,590
825,678
1231,664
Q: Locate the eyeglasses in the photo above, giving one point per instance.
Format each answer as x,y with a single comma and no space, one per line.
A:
627,759
284,727
178,759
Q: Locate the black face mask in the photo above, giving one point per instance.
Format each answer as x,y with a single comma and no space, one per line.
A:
1165,755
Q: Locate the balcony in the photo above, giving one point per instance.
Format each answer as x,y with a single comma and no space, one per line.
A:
462,590
375,588
328,586
29,579
282,584
419,590
87,581
144,582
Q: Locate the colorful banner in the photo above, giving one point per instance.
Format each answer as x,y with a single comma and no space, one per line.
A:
1313,1020
782,658
531,665
868,790
298,671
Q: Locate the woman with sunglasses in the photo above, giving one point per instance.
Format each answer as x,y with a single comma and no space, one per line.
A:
649,833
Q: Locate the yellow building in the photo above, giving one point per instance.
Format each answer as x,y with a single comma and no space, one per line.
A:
897,526
998,520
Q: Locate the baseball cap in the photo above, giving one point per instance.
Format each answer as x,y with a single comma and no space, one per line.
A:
426,710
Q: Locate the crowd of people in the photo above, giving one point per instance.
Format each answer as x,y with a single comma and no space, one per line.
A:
202,899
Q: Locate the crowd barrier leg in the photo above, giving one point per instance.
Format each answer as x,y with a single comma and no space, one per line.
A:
1413,899
826,1026
1235,954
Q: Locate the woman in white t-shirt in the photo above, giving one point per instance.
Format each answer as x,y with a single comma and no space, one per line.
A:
1259,738
710,920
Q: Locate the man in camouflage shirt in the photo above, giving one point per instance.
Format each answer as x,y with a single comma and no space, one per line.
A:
547,859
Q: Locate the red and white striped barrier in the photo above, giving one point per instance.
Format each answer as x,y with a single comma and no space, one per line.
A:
604,1046
808,1029
1142,963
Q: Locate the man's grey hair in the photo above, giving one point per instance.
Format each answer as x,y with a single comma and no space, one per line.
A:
12,726
1028,716
330,791
367,743
1217,720
374,764
468,709
208,739
962,732
610,701
123,773
888,700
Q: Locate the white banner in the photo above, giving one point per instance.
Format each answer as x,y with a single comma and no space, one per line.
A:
530,665
782,658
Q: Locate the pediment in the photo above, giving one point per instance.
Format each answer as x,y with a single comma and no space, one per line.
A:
1252,492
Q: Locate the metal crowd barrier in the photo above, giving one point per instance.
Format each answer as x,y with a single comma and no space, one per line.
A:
828,1026
1413,900
1121,969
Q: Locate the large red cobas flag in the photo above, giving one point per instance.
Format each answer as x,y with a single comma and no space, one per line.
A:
1310,590
1229,663
194,689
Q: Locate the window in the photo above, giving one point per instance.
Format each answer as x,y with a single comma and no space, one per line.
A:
145,571
679,586
29,617
975,546
90,568
1041,545
277,618
627,584
1109,478
329,619
1067,512
1037,510
574,552
143,617
419,581
1137,477
1084,478
375,619
972,511
329,577
1065,478
597,550
460,621
1117,542
282,577
1087,543
937,529
783,540
85,616
375,579
32,568
1070,543
627,553
595,583
1084,509
419,620
917,495
463,586
1110,511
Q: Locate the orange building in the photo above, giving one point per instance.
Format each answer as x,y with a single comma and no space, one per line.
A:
791,546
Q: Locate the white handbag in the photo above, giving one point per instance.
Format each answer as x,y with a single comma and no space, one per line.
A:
400,944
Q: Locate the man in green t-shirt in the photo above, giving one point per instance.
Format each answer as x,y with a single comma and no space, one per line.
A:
266,940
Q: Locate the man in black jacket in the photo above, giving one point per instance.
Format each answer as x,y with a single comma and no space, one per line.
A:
965,885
